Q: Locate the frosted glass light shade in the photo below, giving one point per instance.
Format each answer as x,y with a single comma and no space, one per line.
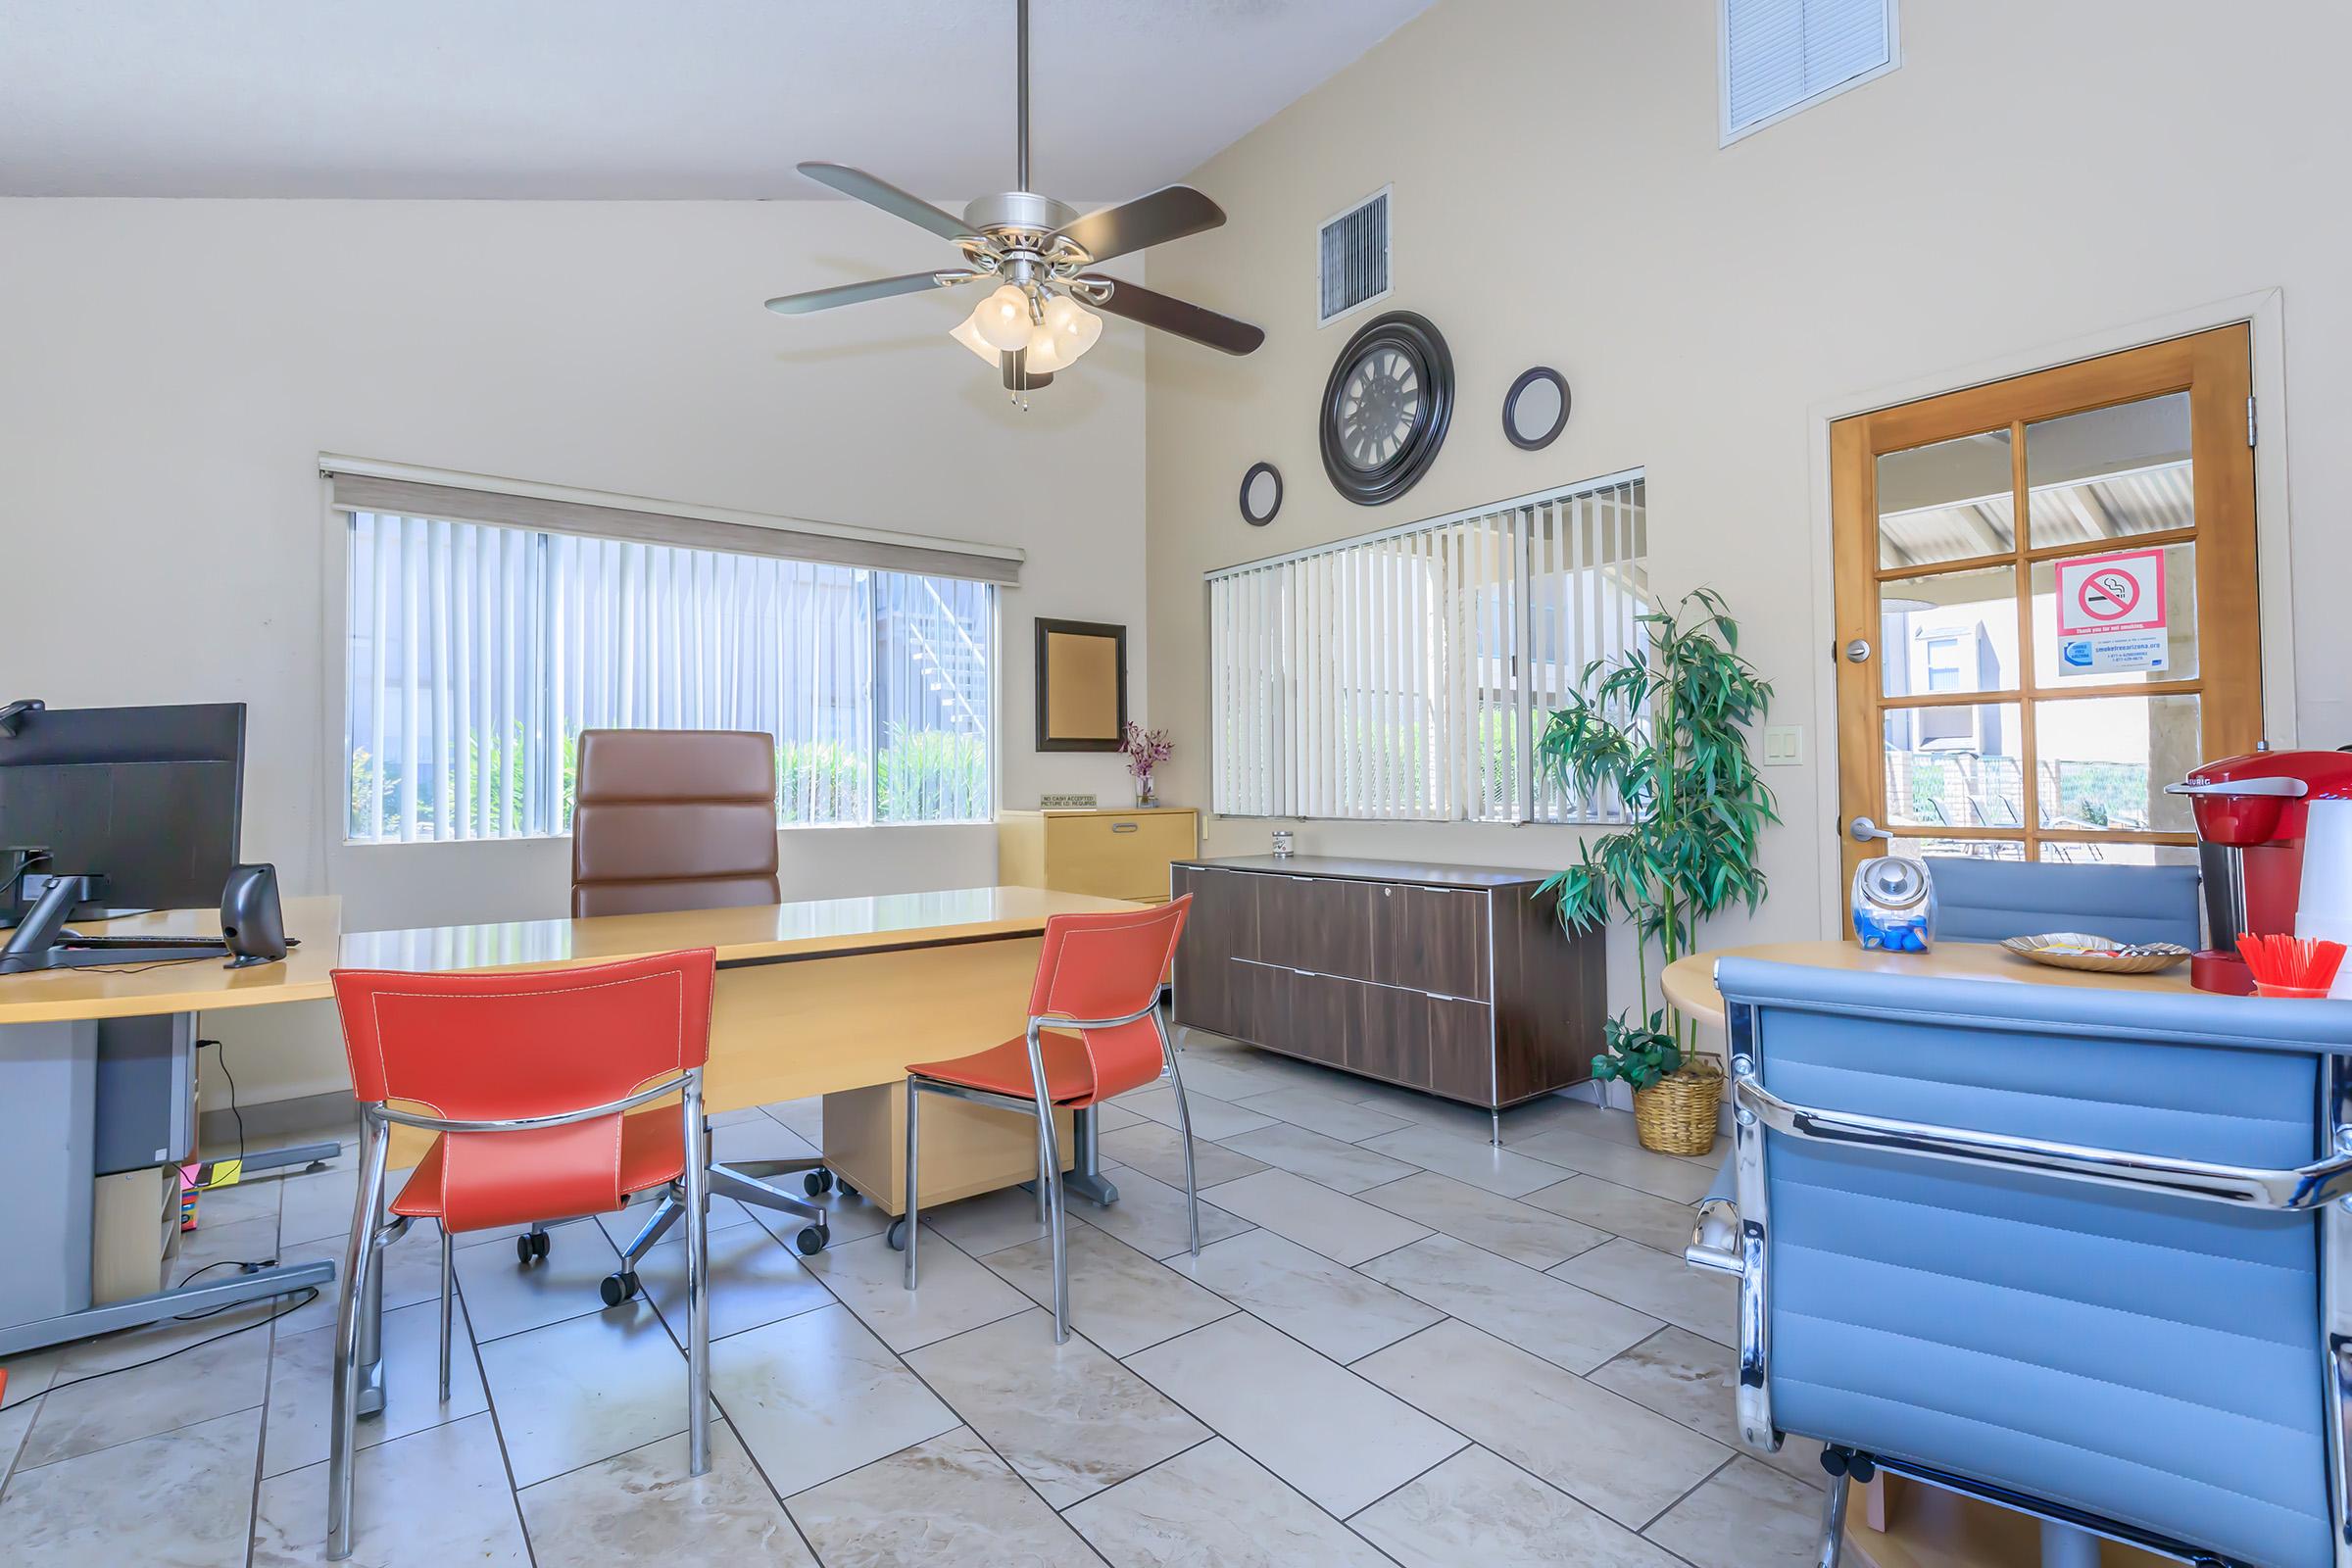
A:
1003,319
1063,337
967,333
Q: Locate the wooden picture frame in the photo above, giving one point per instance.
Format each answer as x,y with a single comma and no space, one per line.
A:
1081,685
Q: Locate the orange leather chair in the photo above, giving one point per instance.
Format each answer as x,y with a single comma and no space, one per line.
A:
534,1087
1094,1031
666,820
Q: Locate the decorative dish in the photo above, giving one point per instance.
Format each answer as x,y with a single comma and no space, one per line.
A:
2078,950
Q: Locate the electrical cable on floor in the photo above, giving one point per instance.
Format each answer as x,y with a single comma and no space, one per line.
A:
308,1293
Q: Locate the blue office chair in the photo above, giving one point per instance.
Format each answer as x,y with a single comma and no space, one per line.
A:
1991,900
2071,1251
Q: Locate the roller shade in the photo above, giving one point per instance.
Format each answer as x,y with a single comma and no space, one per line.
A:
550,511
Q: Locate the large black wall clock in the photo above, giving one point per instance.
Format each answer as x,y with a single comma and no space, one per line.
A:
1386,407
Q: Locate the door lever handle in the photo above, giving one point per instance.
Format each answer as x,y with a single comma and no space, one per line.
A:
1863,830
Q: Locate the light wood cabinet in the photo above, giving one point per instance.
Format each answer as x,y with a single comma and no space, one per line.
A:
1113,855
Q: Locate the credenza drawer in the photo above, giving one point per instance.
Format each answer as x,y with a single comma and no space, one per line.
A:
1430,939
1315,1016
1116,856
1317,924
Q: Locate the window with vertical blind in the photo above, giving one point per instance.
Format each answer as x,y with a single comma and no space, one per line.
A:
1780,56
476,652
1405,674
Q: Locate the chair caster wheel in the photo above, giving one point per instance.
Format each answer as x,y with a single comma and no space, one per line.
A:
619,1287
530,1246
818,1183
813,1239
896,1233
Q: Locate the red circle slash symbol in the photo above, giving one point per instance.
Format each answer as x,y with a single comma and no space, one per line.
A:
2109,595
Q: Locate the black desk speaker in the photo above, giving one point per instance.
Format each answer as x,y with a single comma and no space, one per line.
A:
251,921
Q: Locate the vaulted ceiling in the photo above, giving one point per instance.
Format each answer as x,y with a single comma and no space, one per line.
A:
631,99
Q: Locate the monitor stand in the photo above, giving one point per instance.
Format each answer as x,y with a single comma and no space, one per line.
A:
42,941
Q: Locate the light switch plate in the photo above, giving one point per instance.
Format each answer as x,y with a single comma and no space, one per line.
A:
1783,744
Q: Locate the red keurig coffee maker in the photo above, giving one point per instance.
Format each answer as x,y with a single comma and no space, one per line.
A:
2251,812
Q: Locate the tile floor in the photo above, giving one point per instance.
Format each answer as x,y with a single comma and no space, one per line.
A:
1397,1345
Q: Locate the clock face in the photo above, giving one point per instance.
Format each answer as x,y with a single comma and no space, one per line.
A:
1380,402
1386,407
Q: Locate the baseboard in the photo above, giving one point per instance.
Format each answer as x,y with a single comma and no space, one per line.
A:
275,1118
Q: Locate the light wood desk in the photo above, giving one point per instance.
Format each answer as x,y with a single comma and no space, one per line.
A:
1895,1522
1689,983
832,997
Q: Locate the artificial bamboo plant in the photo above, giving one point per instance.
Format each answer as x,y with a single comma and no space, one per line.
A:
1663,729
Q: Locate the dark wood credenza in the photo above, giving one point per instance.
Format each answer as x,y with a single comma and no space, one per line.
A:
1455,980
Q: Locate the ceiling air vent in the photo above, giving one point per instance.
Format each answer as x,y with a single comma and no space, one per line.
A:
1355,258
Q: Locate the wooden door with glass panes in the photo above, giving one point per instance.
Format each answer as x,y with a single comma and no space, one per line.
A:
2046,606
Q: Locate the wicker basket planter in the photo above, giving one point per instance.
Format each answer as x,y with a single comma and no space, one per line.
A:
1675,1115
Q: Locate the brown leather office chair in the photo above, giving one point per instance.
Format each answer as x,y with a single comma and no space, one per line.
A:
673,819
670,819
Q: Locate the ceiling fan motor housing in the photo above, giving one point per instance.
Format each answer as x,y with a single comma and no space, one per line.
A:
1019,210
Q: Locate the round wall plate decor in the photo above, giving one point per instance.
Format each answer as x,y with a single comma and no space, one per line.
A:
1261,493
1534,411
1386,408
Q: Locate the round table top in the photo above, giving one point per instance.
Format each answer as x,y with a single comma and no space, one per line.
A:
1689,983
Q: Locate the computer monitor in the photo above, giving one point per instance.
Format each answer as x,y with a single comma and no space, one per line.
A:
148,797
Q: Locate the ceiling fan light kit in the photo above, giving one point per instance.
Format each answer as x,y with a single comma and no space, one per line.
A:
1039,251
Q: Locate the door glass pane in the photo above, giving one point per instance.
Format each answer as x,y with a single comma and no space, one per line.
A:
2104,762
1971,848
1946,501
2085,657
1955,766
2081,853
2110,473
1955,632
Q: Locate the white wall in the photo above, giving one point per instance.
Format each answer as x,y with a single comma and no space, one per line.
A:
2033,176
171,371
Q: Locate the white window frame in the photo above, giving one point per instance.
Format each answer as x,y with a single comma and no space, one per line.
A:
1388,192
334,567
1723,76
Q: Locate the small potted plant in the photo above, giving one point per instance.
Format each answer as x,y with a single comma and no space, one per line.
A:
1145,750
1662,730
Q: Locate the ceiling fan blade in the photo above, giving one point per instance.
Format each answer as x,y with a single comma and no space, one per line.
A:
883,194
1168,213
880,288
1180,316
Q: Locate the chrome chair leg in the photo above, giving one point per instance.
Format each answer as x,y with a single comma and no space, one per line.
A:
657,1225
698,1282
448,1295
360,1262
1184,1123
1049,1183
1833,1522
913,1204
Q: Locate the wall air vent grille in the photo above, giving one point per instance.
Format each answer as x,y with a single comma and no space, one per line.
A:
1354,249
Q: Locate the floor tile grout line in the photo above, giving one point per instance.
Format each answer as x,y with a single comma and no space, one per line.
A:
498,1429
1729,1460
1214,1436
983,1438
1343,1366
260,1438
750,1457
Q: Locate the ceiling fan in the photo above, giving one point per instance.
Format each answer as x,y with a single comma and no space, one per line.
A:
1041,252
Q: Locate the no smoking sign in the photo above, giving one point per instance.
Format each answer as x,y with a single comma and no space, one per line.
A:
2121,591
